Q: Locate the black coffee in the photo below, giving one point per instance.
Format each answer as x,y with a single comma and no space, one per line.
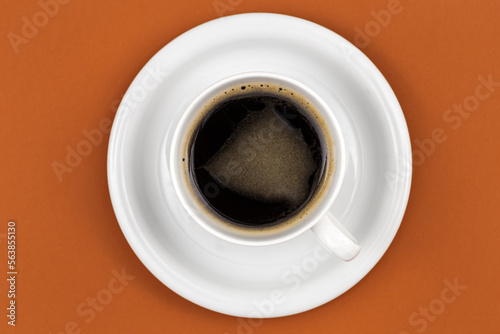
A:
255,158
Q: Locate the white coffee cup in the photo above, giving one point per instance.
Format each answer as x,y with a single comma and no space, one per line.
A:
314,216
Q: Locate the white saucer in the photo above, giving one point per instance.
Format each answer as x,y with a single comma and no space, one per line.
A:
270,281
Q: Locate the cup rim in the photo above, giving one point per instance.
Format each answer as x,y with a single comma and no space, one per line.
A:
196,209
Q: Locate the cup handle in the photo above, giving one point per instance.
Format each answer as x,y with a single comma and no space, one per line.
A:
336,238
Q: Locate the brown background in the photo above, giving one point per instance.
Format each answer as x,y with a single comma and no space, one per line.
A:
70,76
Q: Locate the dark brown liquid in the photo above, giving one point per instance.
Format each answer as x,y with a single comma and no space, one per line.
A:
255,159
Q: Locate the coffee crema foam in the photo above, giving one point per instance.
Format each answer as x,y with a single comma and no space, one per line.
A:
276,163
